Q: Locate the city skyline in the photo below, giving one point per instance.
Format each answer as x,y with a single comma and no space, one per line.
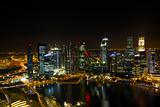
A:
38,23
79,54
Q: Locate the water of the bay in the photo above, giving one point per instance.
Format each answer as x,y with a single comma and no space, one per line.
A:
106,95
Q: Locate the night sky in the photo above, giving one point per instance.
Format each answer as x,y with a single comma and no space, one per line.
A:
36,22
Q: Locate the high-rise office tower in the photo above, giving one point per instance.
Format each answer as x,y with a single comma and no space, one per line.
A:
57,56
53,62
120,60
63,56
151,60
104,53
48,64
42,50
129,55
69,60
129,42
141,43
157,67
142,52
82,56
113,61
30,61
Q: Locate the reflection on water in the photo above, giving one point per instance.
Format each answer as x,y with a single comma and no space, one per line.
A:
107,95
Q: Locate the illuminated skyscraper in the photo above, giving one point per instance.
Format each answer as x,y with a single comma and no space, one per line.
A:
141,44
48,64
57,55
82,56
158,61
151,62
129,42
113,61
42,50
53,62
120,60
63,55
69,60
129,55
104,52
30,61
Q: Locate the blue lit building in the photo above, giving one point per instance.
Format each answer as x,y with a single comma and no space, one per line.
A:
53,62
42,50
48,64
57,55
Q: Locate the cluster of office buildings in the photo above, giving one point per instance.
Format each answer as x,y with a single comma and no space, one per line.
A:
134,59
